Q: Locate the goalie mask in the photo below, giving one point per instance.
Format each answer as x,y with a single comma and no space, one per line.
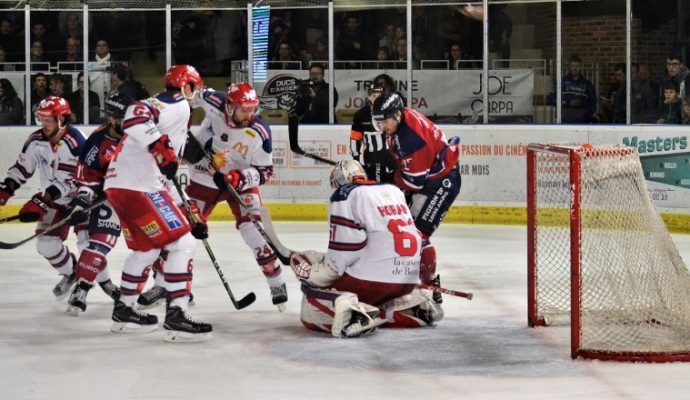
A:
347,171
241,103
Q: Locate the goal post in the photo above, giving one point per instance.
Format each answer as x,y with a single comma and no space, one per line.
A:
600,257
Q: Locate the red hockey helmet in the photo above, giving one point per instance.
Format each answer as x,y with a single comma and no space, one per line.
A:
52,106
180,75
242,95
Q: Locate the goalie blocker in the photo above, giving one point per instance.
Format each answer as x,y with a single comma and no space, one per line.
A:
370,274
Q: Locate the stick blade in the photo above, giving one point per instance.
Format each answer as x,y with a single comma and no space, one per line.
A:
10,246
245,301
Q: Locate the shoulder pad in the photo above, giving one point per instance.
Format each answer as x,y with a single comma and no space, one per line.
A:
408,140
261,127
342,193
169,97
74,139
215,98
37,136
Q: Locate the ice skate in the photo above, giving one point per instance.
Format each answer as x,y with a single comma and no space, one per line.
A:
362,325
110,289
279,296
181,328
129,320
64,286
152,297
76,303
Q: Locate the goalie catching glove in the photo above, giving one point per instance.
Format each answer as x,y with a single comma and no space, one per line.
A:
164,154
34,209
314,268
196,219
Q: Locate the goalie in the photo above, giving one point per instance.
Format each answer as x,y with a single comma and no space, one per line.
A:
370,274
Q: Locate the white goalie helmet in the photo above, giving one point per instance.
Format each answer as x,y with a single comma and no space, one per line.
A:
346,171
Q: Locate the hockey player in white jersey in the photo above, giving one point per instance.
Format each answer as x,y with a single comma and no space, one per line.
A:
241,145
372,265
137,184
53,151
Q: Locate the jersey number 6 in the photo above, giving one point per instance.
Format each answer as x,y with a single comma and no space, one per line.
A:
405,242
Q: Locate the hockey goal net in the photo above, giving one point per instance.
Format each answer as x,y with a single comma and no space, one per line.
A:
600,257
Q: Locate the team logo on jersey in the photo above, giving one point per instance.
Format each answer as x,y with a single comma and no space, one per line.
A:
151,229
224,137
165,210
241,148
249,133
220,159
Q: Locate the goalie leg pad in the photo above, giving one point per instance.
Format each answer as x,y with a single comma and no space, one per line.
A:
414,310
352,318
317,314
57,254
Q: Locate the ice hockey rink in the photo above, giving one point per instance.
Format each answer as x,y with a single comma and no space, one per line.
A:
481,350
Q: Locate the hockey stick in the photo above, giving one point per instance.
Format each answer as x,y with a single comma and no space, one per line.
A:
283,257
9,246
293,131
243,302
451,292
8,219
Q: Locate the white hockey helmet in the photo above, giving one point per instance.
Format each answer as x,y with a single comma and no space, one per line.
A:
347,171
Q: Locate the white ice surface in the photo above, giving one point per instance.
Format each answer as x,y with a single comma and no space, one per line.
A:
482,350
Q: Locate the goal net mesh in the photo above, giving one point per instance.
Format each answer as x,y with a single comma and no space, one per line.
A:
634,286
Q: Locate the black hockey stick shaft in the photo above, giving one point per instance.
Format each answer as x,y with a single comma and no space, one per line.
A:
239,304
293,133
9,219
9,246
284,258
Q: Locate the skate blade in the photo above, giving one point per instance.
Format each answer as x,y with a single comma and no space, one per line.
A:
281,306
186,337
360,331
73,311
129,327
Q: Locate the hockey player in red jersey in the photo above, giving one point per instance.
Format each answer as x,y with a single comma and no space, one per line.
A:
104,225
138,185
53,150
241,145
372,264
427,170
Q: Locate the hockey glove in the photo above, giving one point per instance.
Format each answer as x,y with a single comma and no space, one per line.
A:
301,265
77,208
164,154
7,189
236,179
34,209
197,220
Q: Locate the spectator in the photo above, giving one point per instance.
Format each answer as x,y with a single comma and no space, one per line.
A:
614,103
72,27
103,56
49,48
352,43
579,99
73,50
57,85
312,101
643,100
38,52
455,57
388,39
400,56
76,102
677,73
11,107
685,113
3,61
388,84
285,58
383,58
40,90
278,32
10,42
319,50
671,112
188,38
121,81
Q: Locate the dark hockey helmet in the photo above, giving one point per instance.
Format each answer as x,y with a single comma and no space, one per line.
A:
116,105
386,106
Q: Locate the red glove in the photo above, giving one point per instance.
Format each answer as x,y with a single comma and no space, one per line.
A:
34,209
236,179
164,154
7,189
197,220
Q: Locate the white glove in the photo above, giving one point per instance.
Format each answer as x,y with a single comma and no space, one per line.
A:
314,268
